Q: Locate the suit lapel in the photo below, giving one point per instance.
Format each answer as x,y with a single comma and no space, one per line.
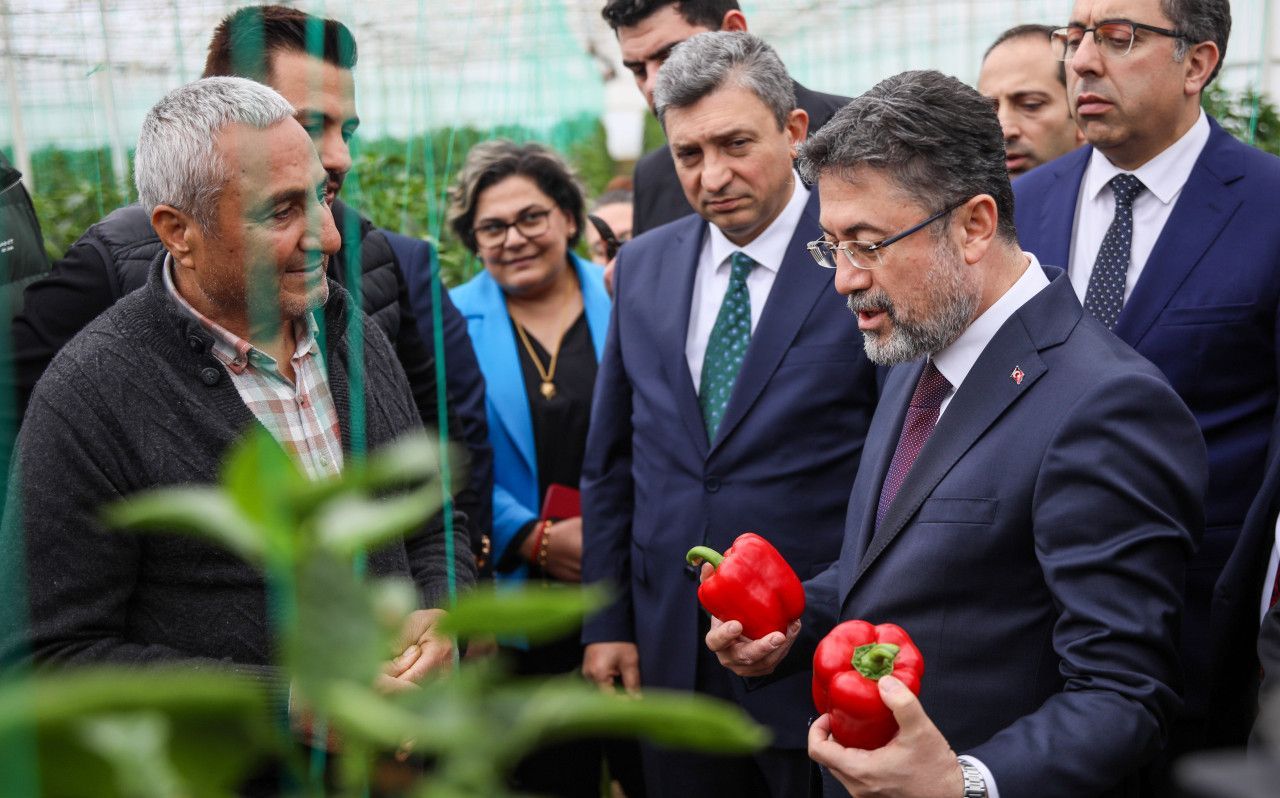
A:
677,269
986,393
798,285
1057,215
1201,212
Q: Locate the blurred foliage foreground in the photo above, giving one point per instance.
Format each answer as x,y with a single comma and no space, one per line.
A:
182,731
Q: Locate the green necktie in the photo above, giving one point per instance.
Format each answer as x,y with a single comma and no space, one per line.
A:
727,346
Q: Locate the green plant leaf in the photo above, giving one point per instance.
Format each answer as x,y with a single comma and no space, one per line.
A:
567,708
136,745
336,637
539,613
205,512
261,478
409,459
351,523
217,724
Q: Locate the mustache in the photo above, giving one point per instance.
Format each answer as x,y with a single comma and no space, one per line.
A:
871,300
333,181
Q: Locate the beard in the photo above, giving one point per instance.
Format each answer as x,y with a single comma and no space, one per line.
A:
950,303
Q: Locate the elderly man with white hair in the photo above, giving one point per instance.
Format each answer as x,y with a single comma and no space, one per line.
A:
157,389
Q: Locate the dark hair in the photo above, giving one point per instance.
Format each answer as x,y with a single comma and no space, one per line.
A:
930,134
616,196
243,43
1200,21
491,162
707,13
1026,32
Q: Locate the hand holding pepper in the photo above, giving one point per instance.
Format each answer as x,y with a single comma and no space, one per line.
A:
846,666
918,763
752,584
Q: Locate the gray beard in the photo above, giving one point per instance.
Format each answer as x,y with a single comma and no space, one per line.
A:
953,305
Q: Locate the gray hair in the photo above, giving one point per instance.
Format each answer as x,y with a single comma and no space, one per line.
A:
933,136
710,61
177,162
1199,21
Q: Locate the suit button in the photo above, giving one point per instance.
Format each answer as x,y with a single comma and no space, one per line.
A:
712,484
210,376
196,344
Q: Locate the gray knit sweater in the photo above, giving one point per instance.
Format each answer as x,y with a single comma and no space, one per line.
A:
137,401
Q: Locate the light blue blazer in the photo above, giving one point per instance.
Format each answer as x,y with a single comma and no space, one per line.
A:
515,462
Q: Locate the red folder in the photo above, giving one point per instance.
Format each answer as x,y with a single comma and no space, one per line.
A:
561,502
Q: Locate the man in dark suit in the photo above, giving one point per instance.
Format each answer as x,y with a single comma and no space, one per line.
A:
1246,629
1030,491
647,30
1166,227
729,399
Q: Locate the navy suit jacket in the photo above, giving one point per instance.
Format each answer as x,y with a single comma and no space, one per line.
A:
1204,311
1237,604
781,465
462,372
1035,552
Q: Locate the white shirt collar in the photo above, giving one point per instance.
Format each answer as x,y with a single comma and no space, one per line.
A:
1163,175
770,247
957,359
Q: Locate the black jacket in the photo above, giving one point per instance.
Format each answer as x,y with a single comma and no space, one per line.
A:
22,255
658,196
111,259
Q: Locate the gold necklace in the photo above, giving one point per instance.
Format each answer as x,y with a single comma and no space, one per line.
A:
548,374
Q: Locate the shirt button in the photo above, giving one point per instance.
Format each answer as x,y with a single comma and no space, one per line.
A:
324,460
210,376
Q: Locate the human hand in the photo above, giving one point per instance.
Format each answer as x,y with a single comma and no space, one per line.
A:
423,649
604,663
917,763
742,655
564,550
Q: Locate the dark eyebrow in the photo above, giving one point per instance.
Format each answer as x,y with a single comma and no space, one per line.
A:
314,112
851,232
519,213
659,54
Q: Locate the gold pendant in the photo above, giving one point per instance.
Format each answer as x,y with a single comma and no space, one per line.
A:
548,390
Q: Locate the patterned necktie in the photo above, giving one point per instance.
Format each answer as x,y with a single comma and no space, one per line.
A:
922,417
1104,297
727,346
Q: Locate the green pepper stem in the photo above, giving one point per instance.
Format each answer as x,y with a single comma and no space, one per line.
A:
874,660
699,554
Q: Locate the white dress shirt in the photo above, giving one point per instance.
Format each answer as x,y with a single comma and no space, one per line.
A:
956,361
712,278
1163,176
1273,571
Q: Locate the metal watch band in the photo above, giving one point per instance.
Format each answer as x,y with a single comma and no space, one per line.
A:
974,785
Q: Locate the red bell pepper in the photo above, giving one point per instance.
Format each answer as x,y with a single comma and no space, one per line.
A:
846,668
752,585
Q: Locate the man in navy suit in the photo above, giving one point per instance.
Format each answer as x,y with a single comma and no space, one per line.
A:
1030,490
731,398
1181,261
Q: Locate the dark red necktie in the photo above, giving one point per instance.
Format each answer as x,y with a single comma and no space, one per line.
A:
922,417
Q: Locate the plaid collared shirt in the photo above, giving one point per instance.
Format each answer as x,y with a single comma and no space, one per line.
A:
300,414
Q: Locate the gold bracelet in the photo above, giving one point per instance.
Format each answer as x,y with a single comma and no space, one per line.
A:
544,545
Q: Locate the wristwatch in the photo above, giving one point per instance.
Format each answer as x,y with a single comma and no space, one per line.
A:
974,785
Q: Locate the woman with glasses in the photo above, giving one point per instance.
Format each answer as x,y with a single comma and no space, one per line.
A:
537,316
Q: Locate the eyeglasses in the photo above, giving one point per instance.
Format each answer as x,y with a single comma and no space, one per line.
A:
866,254
1113,37
531,224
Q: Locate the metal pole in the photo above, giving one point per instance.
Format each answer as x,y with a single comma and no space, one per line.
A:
21,153
119,159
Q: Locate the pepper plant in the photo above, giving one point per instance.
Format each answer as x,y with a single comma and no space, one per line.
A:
182,731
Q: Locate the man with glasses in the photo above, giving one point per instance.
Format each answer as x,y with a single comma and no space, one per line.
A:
732,397
1029,493
1167,228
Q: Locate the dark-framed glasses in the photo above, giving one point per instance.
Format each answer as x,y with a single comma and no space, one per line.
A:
531,223
866,254
1113,37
